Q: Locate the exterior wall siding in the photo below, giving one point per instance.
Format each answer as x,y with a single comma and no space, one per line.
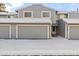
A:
37,12
73,15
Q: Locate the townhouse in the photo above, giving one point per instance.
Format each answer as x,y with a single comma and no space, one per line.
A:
38,22
33,22
68,26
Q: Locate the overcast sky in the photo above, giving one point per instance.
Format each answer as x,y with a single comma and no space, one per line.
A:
57,6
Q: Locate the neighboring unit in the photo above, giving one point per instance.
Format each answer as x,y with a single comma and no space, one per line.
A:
68,14
73,14
39,22
69,28
8,15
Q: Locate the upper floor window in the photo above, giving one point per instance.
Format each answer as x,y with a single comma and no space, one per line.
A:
28,14
46,14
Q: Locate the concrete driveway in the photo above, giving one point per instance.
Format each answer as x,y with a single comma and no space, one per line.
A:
56,45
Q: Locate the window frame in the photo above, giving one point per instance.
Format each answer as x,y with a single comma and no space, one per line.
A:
46,11
27,11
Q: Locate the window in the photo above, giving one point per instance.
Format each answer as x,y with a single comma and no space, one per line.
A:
45,14
28,14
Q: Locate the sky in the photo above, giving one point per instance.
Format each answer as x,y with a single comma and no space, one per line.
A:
57,6
60,5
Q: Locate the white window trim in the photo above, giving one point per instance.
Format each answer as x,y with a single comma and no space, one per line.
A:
28,11
45,11
48,33
8,25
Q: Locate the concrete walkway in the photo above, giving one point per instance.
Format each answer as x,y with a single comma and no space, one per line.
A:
54,46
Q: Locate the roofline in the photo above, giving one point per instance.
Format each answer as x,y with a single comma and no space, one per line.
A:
7,13
39,4
22,8
22,23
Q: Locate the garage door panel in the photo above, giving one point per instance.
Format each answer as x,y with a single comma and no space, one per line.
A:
4,31
32,32
74,32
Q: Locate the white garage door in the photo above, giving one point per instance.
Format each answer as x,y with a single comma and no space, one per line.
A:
32,31
4,31
74,32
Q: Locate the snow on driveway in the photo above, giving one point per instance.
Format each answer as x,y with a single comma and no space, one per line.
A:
56,43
